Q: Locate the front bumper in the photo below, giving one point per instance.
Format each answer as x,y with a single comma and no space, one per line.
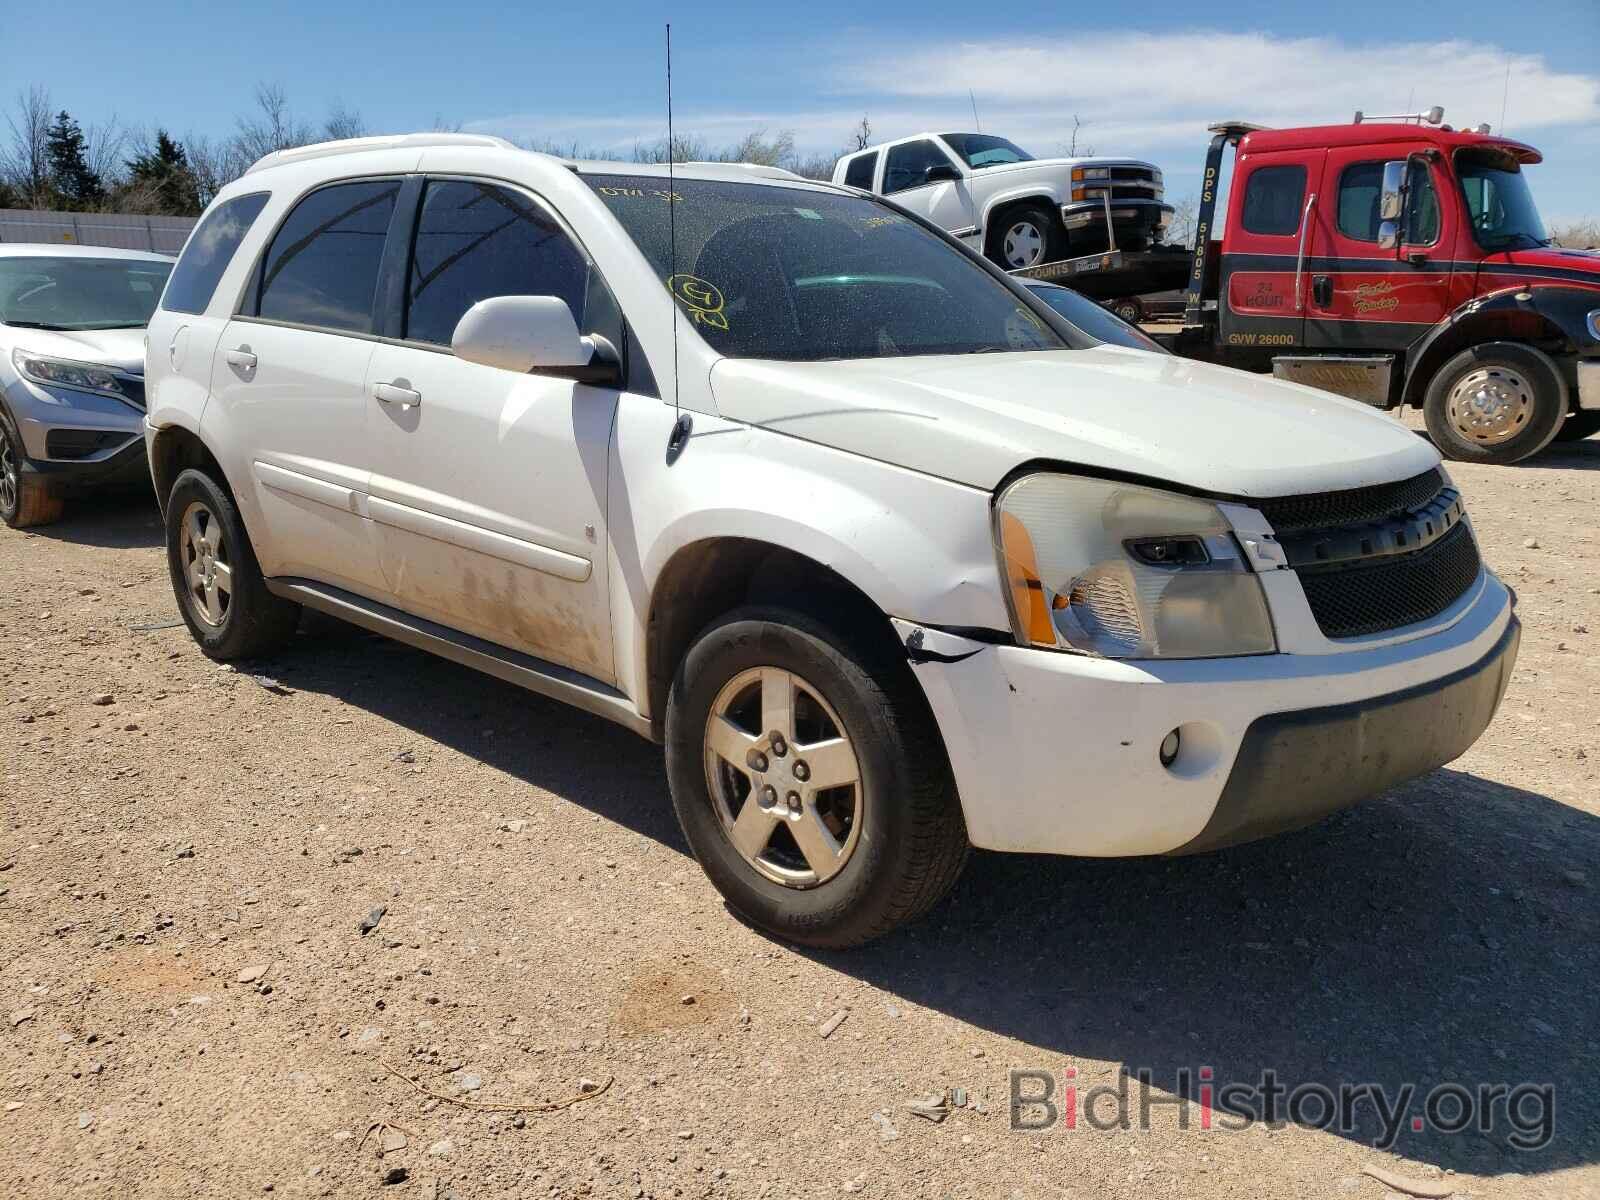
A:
1058,753
1143,217
126,466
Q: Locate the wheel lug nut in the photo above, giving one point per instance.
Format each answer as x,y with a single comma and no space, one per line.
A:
769,796
756,761
794,802
801,771
779,746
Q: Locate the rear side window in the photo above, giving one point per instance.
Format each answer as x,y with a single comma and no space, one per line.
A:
322,266
209,250
477,240
908,165
1272,200
860,171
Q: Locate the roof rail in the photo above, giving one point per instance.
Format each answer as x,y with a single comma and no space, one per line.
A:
393,141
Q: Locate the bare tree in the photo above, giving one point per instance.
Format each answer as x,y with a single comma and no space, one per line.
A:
105,146
343,122
1071,148
274,127
215,164
1185,210
25,160
1577,235
862,134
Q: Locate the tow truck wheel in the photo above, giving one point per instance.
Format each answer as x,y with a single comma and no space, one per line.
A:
1581,424
1025,237
1495,403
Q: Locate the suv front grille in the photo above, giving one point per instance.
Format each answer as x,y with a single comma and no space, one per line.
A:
1358,506
1393,591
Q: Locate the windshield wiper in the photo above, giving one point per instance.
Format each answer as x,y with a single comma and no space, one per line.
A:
35,325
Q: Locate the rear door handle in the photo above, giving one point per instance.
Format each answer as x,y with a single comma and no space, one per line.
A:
241,358
394,393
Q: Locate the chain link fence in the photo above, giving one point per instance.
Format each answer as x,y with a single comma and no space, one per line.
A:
125,231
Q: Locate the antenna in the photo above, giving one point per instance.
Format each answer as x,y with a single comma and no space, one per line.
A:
1505,94
974,100
681,422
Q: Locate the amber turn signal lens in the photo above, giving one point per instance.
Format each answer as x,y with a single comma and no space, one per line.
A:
1027,588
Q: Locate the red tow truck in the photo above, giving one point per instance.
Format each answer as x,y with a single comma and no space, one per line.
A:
1396,261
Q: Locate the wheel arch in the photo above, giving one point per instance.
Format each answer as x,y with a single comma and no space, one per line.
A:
715,575
999,205
1534,317
176,448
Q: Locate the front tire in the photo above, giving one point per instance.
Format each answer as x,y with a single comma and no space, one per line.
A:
1026,236
221,593
810,780
25,501
1495,403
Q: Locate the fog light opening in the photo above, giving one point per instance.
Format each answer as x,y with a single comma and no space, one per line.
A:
1169,748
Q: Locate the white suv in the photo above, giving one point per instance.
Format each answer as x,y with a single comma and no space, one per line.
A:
920,564
1018,210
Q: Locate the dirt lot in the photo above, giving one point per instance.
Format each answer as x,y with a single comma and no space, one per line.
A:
545,925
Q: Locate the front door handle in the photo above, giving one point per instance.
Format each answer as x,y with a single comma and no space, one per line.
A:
1322,290
396,393
241,358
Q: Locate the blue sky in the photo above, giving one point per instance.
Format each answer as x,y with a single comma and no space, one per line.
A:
1144,85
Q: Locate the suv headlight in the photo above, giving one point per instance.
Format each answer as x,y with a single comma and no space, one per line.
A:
66,373
1123,571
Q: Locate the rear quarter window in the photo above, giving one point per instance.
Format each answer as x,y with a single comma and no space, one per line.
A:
861,170
1272,200
208,252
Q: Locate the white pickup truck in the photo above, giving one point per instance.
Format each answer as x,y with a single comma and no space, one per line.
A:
1020,211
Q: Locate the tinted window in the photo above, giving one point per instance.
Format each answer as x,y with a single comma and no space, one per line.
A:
1272,200
860,171
322,266
985,150
1360,190
79,293
908,165
805,274
474,241
208,251
1499,204
1093,318
1422,206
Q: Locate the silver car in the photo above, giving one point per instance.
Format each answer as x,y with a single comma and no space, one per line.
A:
72,322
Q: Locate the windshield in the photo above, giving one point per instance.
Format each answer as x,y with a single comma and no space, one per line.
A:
1499,204
80,293
1095,320
985,150
802,275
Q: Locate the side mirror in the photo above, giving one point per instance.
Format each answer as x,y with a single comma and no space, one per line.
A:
1389,198
941,173
1388,235
533,333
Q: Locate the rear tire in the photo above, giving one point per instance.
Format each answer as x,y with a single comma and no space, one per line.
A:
895,839
1581,424
221,593
25,500
1028,235
1495,403
1129,309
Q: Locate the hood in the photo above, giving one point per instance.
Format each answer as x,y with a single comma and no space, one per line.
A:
119,348
1057,165
975,418
1583,266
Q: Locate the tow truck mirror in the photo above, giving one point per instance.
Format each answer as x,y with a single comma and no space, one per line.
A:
1389,199
1388,235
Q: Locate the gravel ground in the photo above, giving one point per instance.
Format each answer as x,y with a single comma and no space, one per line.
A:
190,1007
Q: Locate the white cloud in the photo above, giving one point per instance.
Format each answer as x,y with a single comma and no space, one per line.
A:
1145,81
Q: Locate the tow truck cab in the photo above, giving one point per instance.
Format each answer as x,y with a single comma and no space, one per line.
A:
1399,263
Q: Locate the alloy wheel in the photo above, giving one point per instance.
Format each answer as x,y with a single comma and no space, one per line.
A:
207,571
784,777
1023,245
10,485
1490,405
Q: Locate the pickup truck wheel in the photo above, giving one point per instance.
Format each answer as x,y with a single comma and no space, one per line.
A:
24,500
1495,403
221,593
1581,424
1130,310
809,779
1025,237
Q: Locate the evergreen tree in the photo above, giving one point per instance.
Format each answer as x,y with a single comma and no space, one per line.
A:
165,169
70,173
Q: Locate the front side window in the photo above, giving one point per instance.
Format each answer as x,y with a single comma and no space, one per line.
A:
861,170
477,240
908,165
79,293
208,251
1500,205
1272,199
1360,194
322,266
979,150
803,274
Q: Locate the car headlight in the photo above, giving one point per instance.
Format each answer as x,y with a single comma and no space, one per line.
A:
1081,173
1122,571
66,373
